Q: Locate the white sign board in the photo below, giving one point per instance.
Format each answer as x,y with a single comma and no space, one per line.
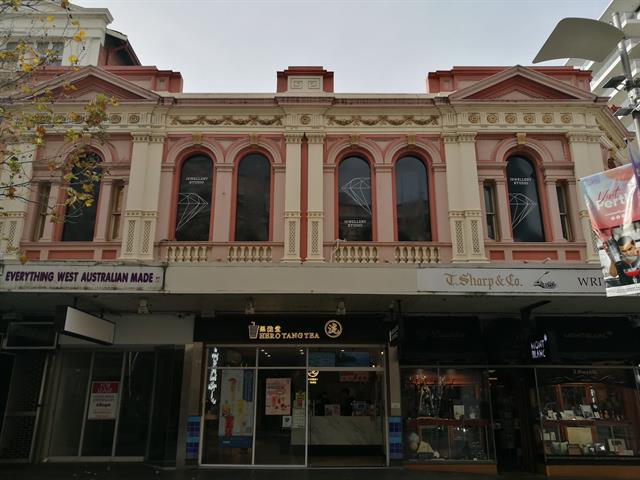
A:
88,327
512,281
103,403
33,276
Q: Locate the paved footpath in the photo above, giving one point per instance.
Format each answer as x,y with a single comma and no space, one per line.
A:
74,471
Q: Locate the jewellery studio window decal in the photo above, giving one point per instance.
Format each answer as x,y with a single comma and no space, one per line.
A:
332,329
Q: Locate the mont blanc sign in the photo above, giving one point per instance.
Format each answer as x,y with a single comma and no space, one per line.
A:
526,281
34,276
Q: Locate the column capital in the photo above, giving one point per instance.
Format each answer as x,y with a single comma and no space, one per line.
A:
292,137
315,137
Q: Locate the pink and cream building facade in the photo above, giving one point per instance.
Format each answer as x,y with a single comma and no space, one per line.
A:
438,238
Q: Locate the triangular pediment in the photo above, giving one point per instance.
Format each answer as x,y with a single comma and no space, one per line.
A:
87,82
519,84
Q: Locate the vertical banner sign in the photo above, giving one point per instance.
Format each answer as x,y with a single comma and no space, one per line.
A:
235,429
278,392
103,403
613,201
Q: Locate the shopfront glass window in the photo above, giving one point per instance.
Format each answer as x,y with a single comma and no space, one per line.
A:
589,412
229,408
446,415
354,200
412,201
194,200
524,201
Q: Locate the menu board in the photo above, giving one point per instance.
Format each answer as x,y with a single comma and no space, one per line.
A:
278,396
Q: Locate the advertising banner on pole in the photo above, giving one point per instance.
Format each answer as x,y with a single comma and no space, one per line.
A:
613,201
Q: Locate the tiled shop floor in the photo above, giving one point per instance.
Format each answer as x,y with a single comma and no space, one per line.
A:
100,471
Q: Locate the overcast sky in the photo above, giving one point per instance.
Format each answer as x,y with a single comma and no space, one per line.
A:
372,46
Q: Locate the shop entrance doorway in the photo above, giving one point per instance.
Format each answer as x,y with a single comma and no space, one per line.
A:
102,406
294,406
513,403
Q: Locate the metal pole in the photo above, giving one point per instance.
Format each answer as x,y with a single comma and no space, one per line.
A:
629,83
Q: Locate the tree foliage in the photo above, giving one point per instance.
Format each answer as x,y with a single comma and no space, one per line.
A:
28,114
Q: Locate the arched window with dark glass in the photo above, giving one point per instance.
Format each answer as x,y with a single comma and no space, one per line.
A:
193,215
412,201
253,199
354,200
524,201
80,216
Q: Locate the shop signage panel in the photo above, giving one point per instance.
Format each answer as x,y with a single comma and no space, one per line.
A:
257,329
525,281
103,403
83,325
32,276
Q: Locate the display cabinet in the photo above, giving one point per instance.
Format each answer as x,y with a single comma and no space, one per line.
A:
597,416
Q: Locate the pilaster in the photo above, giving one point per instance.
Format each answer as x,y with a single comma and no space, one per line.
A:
465,215
315,208
292,197
142,200
13,211
587,160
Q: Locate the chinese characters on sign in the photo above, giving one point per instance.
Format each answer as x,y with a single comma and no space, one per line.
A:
332,329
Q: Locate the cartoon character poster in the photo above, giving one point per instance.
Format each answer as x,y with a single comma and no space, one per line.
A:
613,201
236,407
278,392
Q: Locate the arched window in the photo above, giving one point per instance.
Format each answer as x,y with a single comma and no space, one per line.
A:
80,218
253,199
412,201
193,214
354,200
524,201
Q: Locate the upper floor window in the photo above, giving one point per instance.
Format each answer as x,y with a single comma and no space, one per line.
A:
117,204
80,217
193,215
412,200
42,210
563,210
354,200
524,201
490,214
253,199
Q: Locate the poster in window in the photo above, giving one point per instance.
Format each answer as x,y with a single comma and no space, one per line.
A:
278,396
236,406
354,199
613,202
194,200
103,403
524,202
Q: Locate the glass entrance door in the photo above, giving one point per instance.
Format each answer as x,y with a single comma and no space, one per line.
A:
102,406
346,418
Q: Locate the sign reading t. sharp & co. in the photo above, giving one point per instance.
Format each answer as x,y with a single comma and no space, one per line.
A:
34,276
526,281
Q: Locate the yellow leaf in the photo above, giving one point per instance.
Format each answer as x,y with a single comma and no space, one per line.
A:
23,258
73,59
26,68
64,3
50,19
79,36
75,22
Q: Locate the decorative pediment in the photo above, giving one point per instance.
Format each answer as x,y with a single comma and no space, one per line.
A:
89,81
519,84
